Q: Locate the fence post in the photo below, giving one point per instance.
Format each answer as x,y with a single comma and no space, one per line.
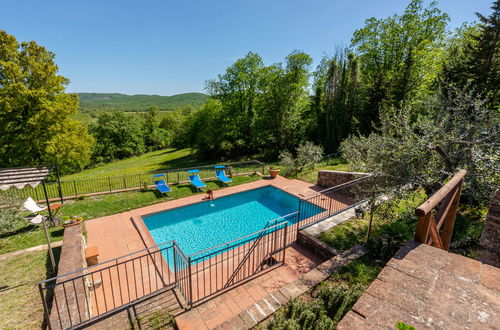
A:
175,263
285,240
74,186
45,307
59,184
109,182
299,215
330,206
297,226
124,182
190,282
178,177
422,231
449,221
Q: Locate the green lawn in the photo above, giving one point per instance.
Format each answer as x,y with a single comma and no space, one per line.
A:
25,237
20,304
99,206
22,236
151,161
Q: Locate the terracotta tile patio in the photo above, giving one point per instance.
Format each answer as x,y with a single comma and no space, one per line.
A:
118,235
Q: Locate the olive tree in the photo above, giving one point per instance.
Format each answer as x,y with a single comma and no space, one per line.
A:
461,133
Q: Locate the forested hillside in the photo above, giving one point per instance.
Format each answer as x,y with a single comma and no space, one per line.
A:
140,102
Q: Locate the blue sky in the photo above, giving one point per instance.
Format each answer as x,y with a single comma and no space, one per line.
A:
169,47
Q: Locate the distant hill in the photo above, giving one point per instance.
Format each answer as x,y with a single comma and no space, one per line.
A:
140,102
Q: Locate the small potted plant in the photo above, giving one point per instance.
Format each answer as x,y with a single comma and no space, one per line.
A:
273,172
72,221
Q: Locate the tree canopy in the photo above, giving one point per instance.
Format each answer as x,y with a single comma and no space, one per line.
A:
35,111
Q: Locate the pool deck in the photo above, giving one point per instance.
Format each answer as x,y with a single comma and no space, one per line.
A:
116,235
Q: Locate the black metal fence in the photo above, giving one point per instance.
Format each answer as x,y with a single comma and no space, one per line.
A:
83,296
77,188
228,264
333,201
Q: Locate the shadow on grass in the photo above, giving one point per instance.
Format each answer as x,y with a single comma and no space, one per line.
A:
49,292
17,231
187,161
57,233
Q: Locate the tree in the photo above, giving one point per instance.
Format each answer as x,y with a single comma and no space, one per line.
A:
461,133
155,137
306,154
117,135
400,57
336,98
473,60
35,111
281,103
237,91
206,132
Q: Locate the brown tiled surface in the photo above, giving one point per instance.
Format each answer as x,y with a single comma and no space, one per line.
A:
115,235
429,288
228,305
118,235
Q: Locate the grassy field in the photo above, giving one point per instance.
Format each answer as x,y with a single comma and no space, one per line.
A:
151,161
24,236
99,206
20,305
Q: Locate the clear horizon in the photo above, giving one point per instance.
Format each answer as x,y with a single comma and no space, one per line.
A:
166,49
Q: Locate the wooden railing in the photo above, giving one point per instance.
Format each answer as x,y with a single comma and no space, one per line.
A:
436,228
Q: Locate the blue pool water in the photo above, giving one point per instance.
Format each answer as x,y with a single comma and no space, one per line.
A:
199,226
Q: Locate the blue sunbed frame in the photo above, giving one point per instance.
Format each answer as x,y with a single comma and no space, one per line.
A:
221,174
194,177
160,184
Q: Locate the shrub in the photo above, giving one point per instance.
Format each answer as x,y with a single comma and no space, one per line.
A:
306,154
333,301
10,220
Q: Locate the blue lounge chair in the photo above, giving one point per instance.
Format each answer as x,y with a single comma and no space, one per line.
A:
221,174
195,179
160,183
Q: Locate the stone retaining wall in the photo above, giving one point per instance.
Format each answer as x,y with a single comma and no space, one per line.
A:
71,297
327,179
317,246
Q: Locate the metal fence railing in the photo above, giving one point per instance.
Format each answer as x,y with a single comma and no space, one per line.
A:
77,188
228,264
85,295
332,201
88,294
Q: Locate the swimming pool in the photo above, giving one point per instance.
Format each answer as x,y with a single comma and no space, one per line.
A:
200,226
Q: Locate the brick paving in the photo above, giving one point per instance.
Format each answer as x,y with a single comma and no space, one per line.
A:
125,233
429,288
